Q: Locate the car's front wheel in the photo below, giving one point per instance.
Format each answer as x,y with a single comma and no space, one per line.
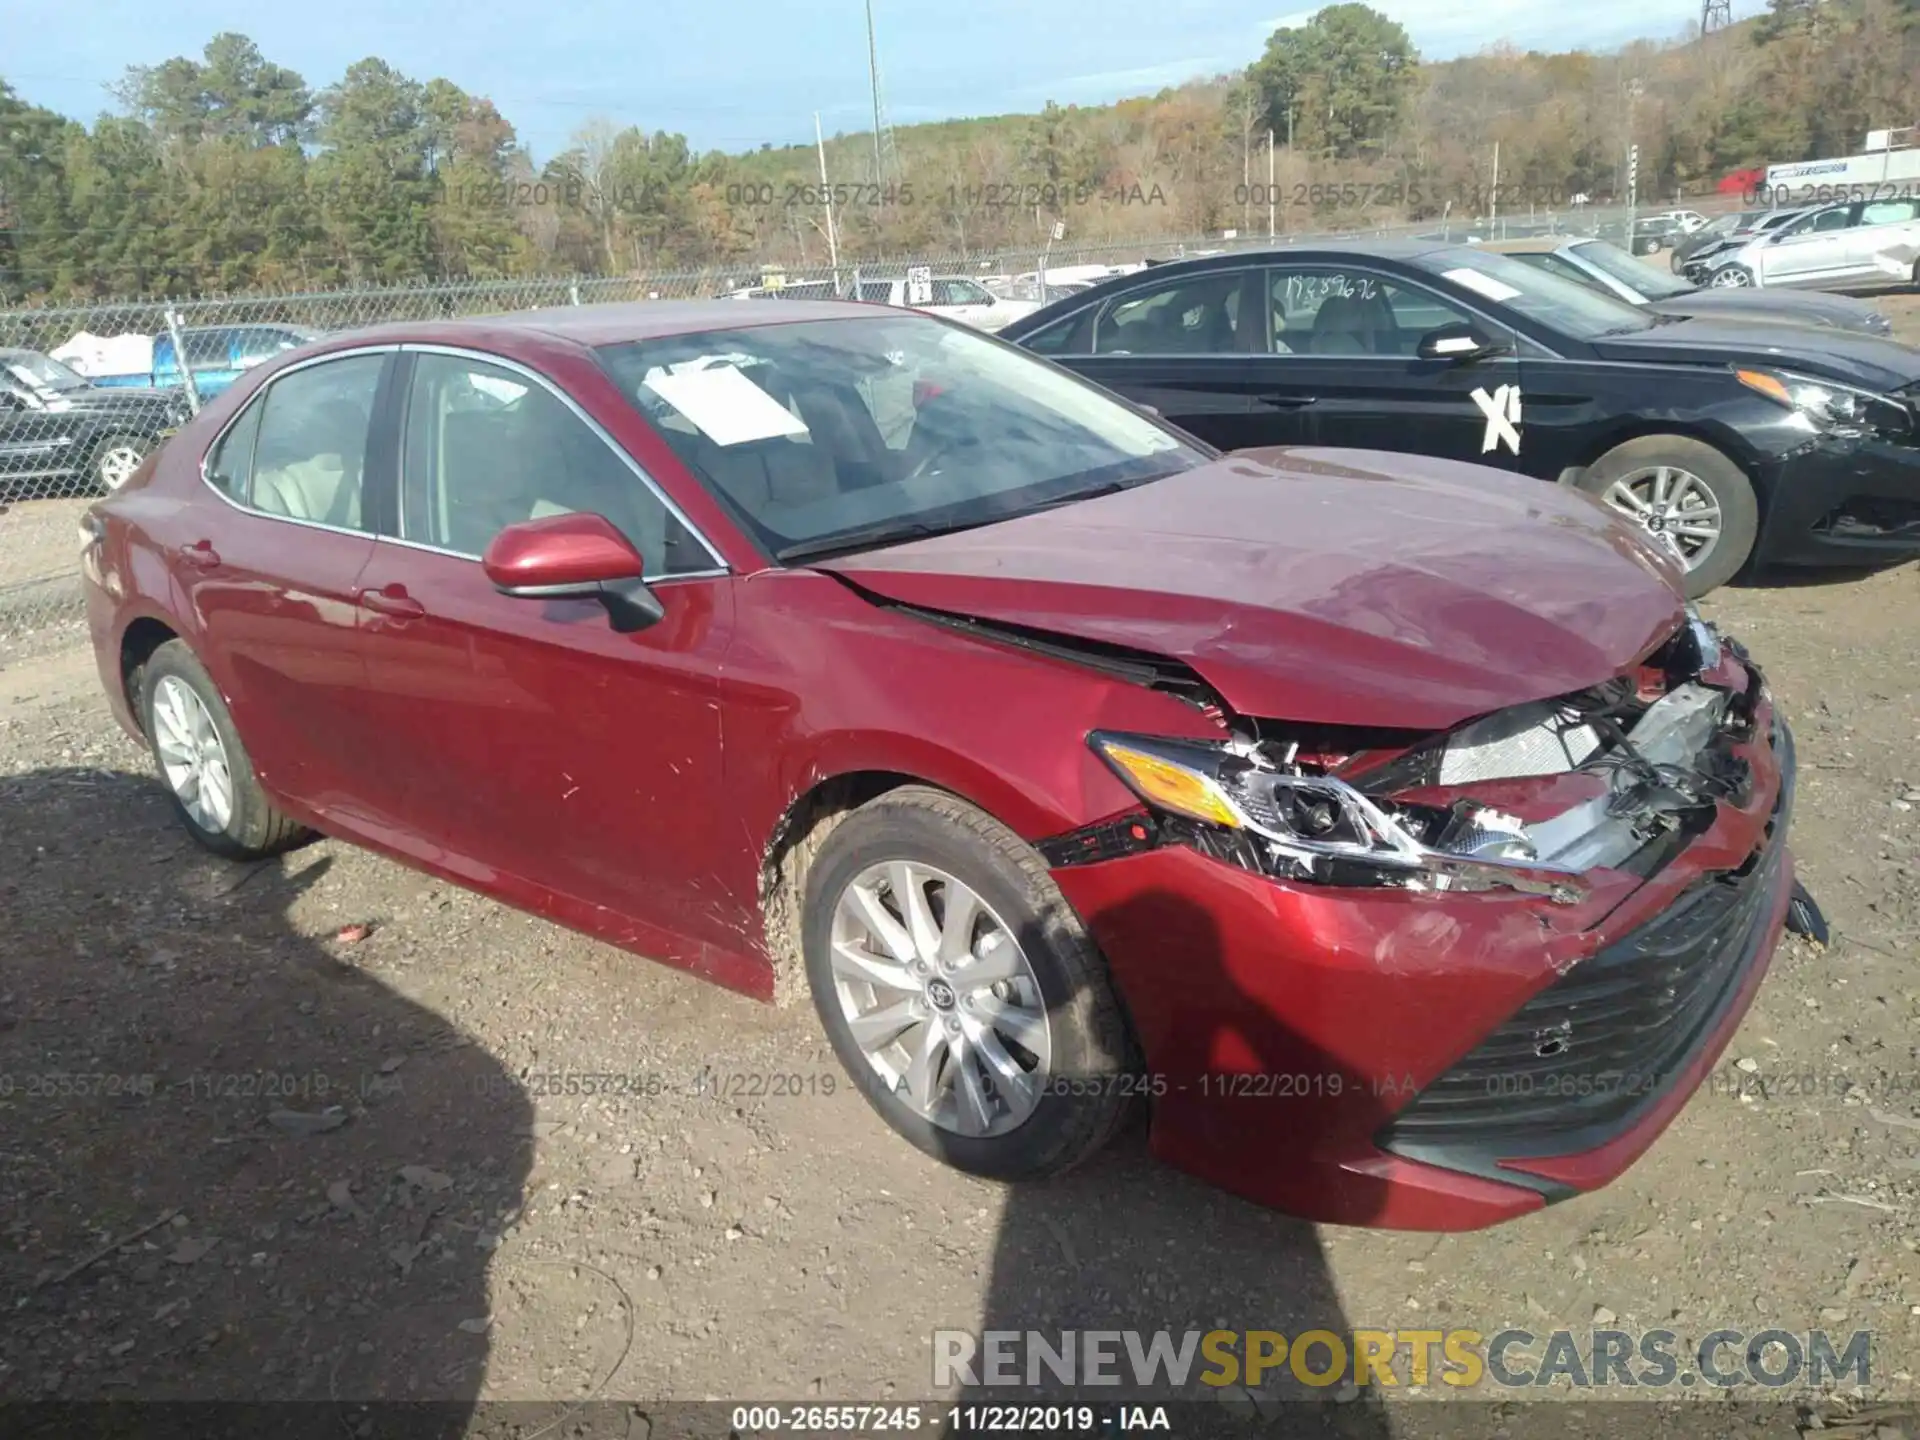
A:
960,990
116,458
1686,495
1731,277
202,762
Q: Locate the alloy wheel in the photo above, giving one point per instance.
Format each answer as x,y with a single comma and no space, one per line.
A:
940,998
1731,277
192,756
117,464
1673,505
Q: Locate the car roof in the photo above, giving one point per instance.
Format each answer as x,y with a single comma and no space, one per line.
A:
1531,244
619,322
1373,248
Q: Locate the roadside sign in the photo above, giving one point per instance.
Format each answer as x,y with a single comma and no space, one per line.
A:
920,285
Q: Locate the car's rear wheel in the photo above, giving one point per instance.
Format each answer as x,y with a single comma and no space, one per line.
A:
1688,496
960,990
116,458
202,762
1731,277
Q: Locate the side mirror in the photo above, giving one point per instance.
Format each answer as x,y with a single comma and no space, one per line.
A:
1458,342
574,557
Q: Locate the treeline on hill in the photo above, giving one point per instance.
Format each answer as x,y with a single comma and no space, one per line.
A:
232,173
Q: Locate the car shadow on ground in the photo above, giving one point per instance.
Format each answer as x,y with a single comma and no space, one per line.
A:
1128,1243
237,1166
1805,577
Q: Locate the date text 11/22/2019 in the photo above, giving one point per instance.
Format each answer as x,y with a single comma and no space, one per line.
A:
963,1419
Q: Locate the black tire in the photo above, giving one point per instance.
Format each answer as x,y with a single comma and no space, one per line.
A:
1739,277
110,452
1090,1038
1731,489
256,829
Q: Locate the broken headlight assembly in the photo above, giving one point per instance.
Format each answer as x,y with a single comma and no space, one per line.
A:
1239,804
1655,772
1829,406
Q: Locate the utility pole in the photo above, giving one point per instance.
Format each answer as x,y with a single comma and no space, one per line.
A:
1633,158
1246,164
1272,208
826,194
1493,197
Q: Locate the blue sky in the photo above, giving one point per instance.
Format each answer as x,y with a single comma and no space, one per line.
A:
730,74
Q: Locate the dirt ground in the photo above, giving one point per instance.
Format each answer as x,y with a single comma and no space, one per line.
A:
297,1130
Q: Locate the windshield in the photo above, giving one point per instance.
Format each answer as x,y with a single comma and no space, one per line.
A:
837,433
42,372
1637,275
1559,304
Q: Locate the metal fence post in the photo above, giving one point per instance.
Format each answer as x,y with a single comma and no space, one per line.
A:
180,358
573,293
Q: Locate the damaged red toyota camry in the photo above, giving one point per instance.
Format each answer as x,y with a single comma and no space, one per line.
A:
1388,826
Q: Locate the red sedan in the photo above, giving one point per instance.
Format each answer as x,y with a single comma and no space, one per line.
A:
1388,826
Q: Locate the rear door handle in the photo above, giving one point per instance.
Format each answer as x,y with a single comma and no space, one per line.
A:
200,554
391,600
1287,402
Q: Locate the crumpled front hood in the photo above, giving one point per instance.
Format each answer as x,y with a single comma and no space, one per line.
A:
1335,587
1872,362
1793,307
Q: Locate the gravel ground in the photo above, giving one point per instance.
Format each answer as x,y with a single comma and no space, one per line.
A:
176,1034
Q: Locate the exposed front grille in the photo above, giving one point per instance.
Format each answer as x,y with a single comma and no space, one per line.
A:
1868,517
1579,1062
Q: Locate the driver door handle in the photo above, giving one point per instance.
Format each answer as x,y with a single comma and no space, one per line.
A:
390,600
200,554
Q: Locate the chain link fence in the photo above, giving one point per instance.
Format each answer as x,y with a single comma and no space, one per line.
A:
87,392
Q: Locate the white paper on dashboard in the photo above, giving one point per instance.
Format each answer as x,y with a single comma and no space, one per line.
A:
726,405
1479,280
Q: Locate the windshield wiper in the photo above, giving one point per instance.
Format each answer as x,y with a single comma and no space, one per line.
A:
868,537
1111,487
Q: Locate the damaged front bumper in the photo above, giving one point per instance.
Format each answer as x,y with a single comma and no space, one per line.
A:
1383,1044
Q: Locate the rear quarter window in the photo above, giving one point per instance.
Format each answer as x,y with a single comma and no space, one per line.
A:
1070,335
230,462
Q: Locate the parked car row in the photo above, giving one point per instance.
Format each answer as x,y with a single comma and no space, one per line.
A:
215,356
61,434
1831,246
1736,441
955,297
1612,271
1046,746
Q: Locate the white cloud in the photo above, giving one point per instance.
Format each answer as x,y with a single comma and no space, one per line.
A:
1105,84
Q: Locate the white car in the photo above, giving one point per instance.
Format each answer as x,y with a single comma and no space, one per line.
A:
957,297
1830,247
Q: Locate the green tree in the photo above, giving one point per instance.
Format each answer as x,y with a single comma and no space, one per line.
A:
1345,75
232,93
373,178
